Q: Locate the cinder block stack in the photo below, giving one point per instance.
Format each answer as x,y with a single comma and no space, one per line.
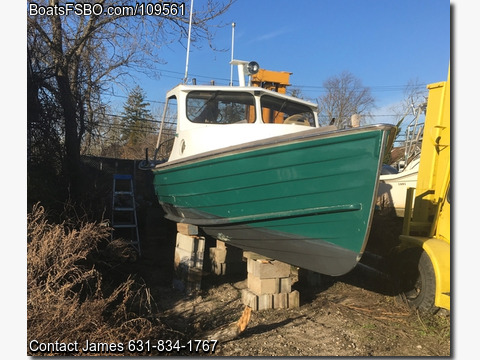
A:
269,285
188,261
226,260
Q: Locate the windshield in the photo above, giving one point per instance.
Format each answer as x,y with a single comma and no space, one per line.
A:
168,129
282,111
215,107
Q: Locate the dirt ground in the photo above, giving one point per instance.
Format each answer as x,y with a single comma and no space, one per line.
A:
358,314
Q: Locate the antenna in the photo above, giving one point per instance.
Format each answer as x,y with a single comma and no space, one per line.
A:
231,59
188,43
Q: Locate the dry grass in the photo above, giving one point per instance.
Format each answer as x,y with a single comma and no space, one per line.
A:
67,301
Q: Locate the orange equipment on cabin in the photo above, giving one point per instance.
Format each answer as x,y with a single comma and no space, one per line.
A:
275,81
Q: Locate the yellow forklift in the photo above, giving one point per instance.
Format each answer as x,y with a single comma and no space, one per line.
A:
425,241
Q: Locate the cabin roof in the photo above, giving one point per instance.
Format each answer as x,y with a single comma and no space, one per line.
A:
252,89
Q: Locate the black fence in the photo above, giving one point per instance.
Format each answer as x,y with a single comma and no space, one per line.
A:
99,172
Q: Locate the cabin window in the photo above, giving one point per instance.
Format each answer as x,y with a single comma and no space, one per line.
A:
283,111
217,107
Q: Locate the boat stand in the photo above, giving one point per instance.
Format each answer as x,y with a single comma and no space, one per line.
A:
269,284
226,259
188,261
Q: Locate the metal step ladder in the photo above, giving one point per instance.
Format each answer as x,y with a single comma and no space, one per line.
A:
124,213
414,135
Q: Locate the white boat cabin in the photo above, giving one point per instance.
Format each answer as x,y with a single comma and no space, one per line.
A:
206,117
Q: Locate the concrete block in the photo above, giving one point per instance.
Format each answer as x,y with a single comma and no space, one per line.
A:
200,244
187,229
199,260
294,299
218,255
221,244
285,285
190,243
185,242
268,269
217,268
270,301
183,258
250,299
280,301
227,254
250,265
265,301
226,259
262,286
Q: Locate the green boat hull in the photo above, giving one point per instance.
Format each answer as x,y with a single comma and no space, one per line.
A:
306,199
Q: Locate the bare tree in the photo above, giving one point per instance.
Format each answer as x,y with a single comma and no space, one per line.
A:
415,95
345,96
408,116
74,57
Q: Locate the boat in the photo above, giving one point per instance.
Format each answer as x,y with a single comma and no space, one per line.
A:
395,180
252,167
392,189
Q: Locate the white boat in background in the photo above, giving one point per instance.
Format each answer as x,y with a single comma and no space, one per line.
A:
394,181
392,189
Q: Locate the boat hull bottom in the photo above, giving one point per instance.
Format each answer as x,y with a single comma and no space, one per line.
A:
311,254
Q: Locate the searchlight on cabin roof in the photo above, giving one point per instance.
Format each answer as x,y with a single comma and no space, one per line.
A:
248,68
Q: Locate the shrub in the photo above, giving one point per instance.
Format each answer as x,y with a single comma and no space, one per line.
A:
65,298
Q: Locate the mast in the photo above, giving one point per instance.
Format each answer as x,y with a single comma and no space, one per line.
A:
231,59
185,79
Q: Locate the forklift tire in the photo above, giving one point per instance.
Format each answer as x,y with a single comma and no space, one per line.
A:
420,289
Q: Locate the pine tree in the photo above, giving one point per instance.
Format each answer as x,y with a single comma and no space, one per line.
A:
137,118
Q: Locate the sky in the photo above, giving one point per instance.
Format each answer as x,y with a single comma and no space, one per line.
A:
385,44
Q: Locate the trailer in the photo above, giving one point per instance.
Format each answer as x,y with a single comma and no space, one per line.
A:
424,250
